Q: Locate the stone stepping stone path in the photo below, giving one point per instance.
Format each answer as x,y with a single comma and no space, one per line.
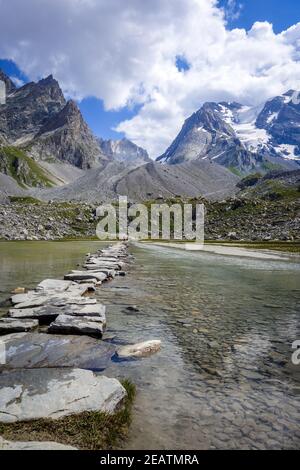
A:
55,374
84,325
10,325
65,304
54,393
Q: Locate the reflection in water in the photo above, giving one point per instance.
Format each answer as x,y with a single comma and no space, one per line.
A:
224,377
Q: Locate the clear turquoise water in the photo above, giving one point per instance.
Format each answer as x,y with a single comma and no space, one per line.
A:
224,377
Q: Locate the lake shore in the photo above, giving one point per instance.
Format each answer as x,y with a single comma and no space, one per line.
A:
233,250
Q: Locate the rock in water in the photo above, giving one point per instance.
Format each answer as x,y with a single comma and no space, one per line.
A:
82,275
54,284
15,325
68,324
53,393
34,350
140,349
19,290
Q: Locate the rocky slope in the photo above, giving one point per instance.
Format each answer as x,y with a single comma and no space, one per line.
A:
147,182
242,138
264,209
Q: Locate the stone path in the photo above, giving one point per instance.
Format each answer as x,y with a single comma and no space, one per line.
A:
51,348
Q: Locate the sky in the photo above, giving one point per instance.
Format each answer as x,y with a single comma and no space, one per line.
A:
138,69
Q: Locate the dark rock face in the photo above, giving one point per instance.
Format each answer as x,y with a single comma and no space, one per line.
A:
124,151
67,137
281,118
242,138
37,118
29,107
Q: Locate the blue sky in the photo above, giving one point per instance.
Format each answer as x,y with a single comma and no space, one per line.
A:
109,68
281,13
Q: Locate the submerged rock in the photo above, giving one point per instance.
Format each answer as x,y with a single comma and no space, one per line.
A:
33,350
54,393
140,349
19,290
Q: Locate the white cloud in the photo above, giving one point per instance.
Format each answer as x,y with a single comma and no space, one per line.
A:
125,52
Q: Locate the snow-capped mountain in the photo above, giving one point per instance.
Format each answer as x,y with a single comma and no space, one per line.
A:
243,138
124,151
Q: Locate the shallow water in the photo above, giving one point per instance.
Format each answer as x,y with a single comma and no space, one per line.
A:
224,377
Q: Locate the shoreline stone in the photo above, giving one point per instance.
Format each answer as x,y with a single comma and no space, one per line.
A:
53,393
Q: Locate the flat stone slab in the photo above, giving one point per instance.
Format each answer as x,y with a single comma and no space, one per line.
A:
82,275
140,349
55,299
44,314
15,325
53,393
33,350
33,445
54,284
48,313
72,325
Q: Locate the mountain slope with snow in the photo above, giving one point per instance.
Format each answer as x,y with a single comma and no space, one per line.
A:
242,138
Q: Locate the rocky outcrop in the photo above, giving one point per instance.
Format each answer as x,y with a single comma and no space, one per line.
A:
66,137
38,120
54,393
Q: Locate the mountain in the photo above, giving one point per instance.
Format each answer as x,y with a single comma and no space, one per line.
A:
242,138
124,151
40,129
147,182
44,140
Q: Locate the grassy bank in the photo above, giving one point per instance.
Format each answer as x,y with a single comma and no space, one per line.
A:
89,430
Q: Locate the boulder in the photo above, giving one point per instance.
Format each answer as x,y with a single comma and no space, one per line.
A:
140,349
15,325
53,393
34,350
68,324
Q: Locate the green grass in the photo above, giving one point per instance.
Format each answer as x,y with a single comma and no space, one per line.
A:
24,200
89,430
15,163
235,171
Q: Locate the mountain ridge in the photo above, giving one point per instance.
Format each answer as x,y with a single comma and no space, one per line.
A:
240,137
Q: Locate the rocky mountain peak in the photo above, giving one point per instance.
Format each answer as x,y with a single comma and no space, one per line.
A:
10,86
124,150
